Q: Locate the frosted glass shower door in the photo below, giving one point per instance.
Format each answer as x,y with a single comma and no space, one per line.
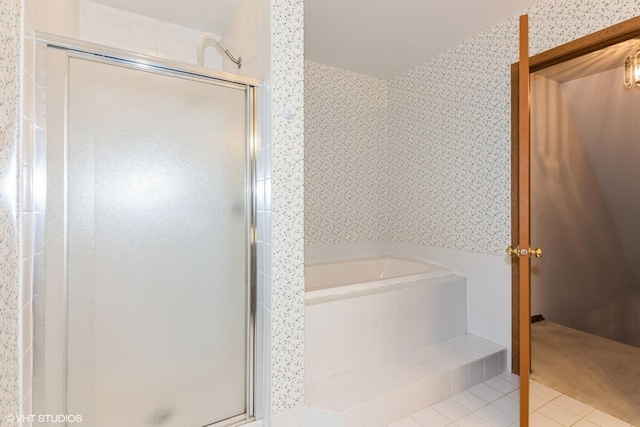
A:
157,241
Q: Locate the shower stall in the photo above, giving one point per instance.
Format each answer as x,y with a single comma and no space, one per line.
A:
144,297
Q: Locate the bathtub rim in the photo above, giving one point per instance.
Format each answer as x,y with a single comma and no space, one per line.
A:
376,286
313,300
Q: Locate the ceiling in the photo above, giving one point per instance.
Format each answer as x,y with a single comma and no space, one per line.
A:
383,38
206,15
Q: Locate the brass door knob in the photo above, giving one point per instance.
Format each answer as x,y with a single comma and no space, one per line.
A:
537,252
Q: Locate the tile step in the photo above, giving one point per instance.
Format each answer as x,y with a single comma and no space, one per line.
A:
380,394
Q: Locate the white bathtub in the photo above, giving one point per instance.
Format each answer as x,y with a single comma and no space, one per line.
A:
345,277
365,311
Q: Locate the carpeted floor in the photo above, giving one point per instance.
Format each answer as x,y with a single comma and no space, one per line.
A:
602,373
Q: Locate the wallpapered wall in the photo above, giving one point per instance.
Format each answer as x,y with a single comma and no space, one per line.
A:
345,156
287,244
9,267
449,137
449,130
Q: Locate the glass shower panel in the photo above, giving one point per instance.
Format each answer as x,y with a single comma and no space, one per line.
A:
157,248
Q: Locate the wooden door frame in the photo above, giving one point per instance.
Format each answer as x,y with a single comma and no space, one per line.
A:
599,40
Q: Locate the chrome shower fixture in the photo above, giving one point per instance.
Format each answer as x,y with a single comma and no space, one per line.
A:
202,41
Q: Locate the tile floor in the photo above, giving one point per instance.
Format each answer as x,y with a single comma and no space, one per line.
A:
494,403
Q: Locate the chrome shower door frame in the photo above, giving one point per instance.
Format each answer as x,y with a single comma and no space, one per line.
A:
52,54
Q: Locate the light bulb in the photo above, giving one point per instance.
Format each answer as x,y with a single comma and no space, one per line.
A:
628,73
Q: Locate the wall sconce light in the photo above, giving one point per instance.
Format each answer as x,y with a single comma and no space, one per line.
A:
632,70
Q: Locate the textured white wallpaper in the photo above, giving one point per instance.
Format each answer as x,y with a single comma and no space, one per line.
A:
449,134
449,130
287,241
9,253
345,156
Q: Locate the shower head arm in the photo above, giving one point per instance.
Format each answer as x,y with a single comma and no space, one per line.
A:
202,42
238,61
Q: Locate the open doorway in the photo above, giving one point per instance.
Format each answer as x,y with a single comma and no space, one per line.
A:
584,213
563,283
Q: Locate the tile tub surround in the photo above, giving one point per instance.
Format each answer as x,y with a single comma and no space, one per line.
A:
343,334
382,393
488,279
